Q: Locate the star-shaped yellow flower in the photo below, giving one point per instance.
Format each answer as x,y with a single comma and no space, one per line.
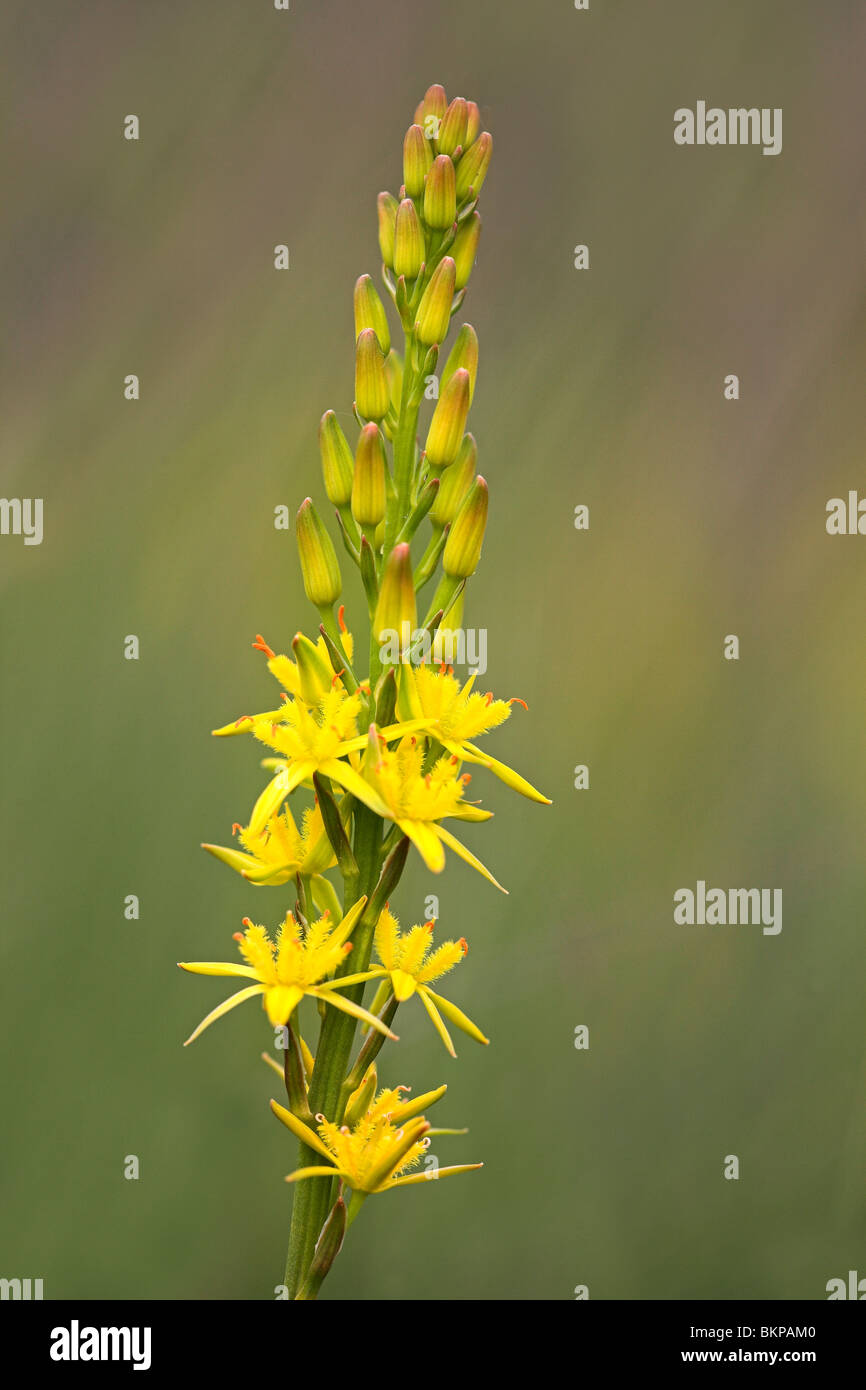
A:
312,739
297,964
408,968
379,1152
279,851
316,666
435,703
417,800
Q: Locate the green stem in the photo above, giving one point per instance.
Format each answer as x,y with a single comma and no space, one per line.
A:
404,448
332,1059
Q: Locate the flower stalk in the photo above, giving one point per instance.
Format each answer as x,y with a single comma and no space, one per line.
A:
369,742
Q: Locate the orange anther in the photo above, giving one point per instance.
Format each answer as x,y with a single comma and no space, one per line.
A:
464,943
336,676
341,617
237,828
260,645
516,700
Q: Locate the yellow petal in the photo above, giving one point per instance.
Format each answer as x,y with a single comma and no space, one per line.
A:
223,1008
281,1002
299,1129
426,840
447,838
316,1173
404,985
331,996
437,1021
458,1018
432,1175
353,782
219,967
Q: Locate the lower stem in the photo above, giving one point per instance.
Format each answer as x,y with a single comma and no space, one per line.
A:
336,1037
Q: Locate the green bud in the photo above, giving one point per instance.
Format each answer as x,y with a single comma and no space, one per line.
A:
417,158
455,483
360,1100
408,241
465,248
387,210
371,381
370,312
434,311
466,537
452,132
337,462
368,486
449,421
396,605
394,373
440,197
473,124
321,573
328,1246
431,111
463,354
473,167
314,674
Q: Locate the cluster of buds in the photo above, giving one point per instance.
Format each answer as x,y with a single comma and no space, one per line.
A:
385,487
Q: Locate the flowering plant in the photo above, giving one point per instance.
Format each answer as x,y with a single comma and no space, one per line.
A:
381,750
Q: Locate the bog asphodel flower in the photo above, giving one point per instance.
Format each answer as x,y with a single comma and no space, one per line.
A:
280,850
434,702
296,964
380,1152
409,965
418,800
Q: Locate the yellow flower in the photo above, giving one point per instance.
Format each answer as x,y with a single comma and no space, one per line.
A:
408,968
379,1152
285,970
434,702
290,676
312,739
417,800
278,852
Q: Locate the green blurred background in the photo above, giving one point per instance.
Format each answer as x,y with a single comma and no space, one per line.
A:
603,387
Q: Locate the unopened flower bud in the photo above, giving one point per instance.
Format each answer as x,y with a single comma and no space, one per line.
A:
463,354
434,311
449,421
361,1099
472,169
452,132
337,463
455,483
466,537
465,248
396,605
371,381
473,124
319,568
368,487
408,241
440,196
370,312
432,110
314,674
417,158
387,209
